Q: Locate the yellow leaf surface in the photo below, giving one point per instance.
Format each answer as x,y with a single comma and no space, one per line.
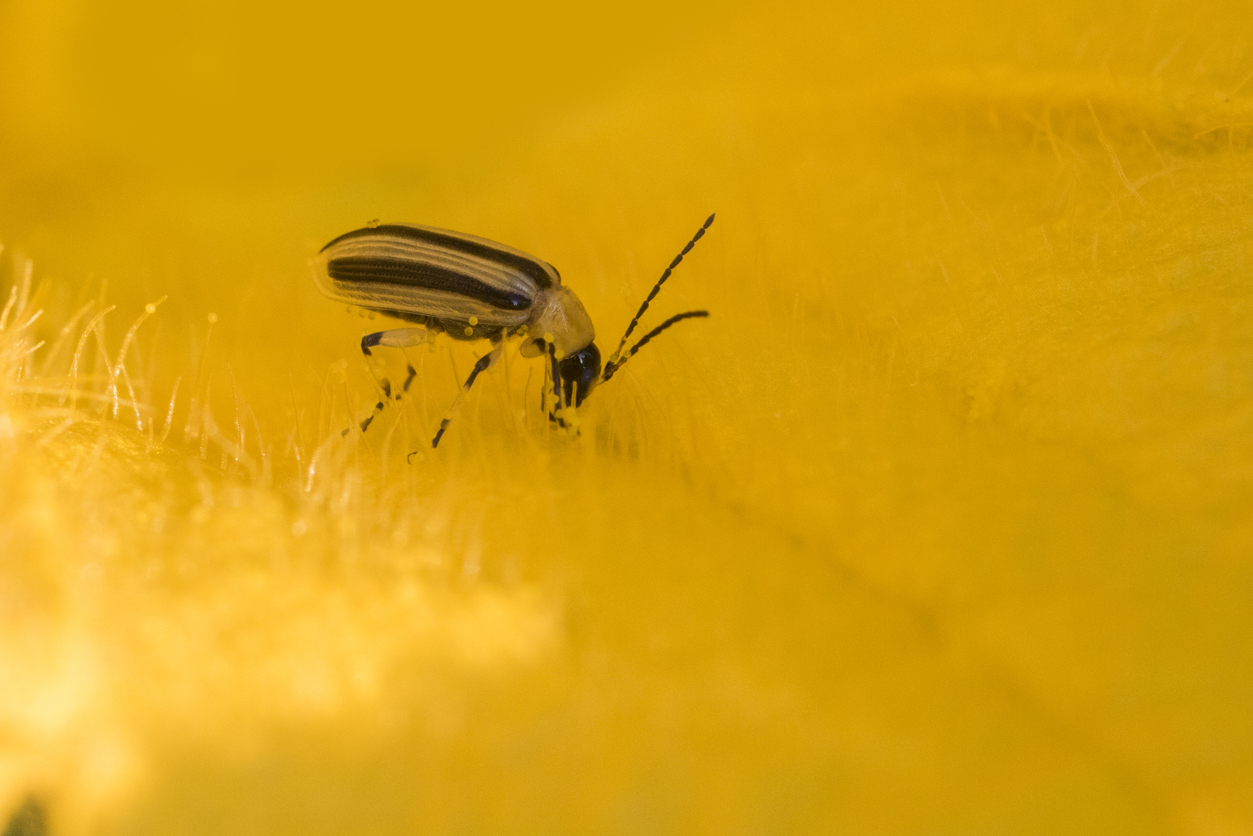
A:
939,523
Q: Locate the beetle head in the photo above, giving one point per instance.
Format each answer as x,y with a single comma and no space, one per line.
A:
582,368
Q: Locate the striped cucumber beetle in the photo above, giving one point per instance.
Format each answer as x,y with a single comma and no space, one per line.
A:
472,289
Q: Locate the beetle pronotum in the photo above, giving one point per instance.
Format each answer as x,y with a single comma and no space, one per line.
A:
472,289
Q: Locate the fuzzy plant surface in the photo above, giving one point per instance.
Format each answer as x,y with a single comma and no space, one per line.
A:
938,524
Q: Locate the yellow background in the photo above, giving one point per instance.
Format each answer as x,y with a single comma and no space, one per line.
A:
939,524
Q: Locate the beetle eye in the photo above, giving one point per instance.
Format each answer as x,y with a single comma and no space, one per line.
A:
582,368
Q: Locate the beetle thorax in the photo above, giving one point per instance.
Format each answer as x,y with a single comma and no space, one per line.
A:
557,311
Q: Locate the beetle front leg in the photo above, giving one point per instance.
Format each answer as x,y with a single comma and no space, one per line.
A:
557,416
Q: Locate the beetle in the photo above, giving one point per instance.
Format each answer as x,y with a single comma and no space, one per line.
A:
471,288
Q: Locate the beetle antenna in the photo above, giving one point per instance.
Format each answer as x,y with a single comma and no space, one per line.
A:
613,360
611,367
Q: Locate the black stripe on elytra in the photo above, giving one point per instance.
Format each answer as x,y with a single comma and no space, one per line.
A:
533,268
398,271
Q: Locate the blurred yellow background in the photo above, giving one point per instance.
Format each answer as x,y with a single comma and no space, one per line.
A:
939,524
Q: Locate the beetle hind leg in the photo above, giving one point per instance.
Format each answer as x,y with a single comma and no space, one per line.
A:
394,338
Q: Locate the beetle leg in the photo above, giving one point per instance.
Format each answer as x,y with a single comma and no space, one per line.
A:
395,338
408,380
554,376
485,362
